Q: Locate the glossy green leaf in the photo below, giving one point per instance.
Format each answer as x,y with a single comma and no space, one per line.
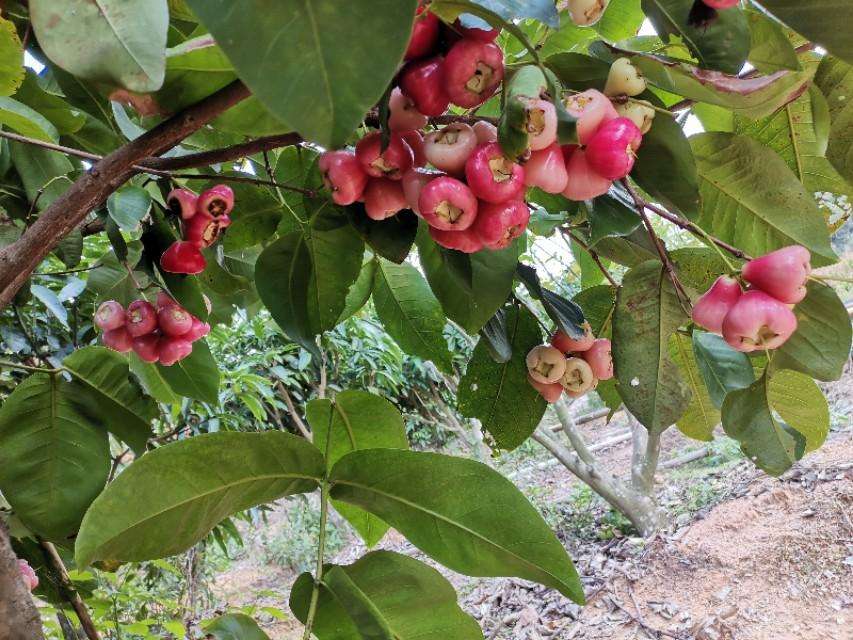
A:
234,626
701,416
196,376
315,55
410,313
597,304
578,71
103,377
699,267
45,174
608,217
817,20
11,58
752,199
498,394
172,497
391,238
566,315
770,48
418,494
356,420
255,217
361,290
130,37
50,300
35,94
54,456
647,314
404,596
722,368
801,404
152,381
128,206
26,121
495,337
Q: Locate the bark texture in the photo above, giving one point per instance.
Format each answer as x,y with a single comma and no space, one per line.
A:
19,618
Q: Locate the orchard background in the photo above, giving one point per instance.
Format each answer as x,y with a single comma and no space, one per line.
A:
327,292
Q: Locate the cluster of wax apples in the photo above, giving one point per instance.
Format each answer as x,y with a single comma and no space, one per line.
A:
569,366
203,219
759,318
164,333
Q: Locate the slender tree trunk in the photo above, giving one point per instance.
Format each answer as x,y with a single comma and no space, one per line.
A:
19,618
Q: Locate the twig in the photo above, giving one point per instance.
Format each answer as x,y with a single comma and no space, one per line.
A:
70,592
595,257
297,420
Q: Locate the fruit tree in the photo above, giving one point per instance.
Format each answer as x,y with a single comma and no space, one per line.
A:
165,165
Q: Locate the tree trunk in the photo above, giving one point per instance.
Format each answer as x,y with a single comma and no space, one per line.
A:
19,618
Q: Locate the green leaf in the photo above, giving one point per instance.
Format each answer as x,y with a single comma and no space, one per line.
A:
103,379
128,206
496,338
748,418
566,315
419,495
770,48
722,45
470,287
235,626
752,199
172,497
255,218
699,267
321,89
49,299
818,21
608,217
54,457
542,10
196,376
391,238
44,173
647,314
27,121
356,420
11,58
820,346
111,280
834,78
154,384
408,598
130,37
498,394
802,405
527,83
597,304
66,118
578,71
723,369
361,290
701,416
410,313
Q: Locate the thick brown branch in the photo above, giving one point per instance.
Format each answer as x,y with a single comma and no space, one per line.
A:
70,593
90,191
19,618
226,154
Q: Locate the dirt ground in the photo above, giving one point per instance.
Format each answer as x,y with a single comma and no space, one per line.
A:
748,557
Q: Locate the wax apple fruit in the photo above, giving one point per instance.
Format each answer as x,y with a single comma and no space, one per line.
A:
141,318
110,315
584,183
710,310
174,321
587,12
624,79
492,176
28,575
465,241
384,198
546,364
118,340
783,274
473,72
423,83
391,163
546,169
551,392
541,124
147,347
217,201
182,202
424,34
573,345
447,203
484,35
592,108
758,321
600,359
721,4
183,257
497,225
403,115
485,132
343,175
612,151
414,180
449,148
640,112
416,143
173,350
577,378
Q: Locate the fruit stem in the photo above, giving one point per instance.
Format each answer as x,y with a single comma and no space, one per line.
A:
823,279
592,254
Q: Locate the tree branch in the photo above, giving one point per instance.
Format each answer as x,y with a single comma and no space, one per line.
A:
19,618
69,592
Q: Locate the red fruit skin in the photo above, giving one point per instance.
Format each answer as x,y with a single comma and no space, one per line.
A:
28,574
592,108
403,115
414,180
391,163
449,148
423,83
203,229
600,359
141,318
483,35
416,143
174,350
384,198
174,321
118,340
424,34
570,345
492,176
465,241
611,152
757,322
783,274
110,315
183,257
721,4
182,202
711,308
497,225
448,204
217,201
546,169
164,300
473,72
541,124
551,392
343,176
147,347
485,132
584,183
198,331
